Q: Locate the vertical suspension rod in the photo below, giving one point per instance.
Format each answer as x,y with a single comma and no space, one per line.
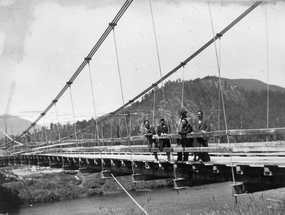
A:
74,122
57,121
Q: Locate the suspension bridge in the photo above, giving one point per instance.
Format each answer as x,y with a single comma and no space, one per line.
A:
243,163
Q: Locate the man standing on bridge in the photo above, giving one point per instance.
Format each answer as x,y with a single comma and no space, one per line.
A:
183,128
186,128
202,125
148,132
162,131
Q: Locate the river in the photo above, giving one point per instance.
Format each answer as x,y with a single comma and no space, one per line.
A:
202,200
192,200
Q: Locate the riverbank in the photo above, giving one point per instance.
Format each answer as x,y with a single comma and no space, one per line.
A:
49,185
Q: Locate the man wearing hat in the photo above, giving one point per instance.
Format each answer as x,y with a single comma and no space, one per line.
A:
162,131
183,128
202,125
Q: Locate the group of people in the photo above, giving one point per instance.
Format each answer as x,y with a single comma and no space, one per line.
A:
184,127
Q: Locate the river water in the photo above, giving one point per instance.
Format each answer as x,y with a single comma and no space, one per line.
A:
192,200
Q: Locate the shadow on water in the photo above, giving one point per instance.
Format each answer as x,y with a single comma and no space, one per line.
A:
9,200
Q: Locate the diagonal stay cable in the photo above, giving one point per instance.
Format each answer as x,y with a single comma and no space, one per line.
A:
84,63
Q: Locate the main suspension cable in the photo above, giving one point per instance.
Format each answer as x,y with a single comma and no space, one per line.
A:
83,64
206,45
192,56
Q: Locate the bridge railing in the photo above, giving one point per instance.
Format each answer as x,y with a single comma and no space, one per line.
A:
130,142
276,148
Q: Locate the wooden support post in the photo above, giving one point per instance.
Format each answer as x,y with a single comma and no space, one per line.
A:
79,163
134,164
62,163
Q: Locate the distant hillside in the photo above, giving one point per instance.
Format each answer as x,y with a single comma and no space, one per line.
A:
15,125
253,84
245,103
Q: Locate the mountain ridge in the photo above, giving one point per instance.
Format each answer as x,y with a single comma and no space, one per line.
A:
254,84
13,125
245,106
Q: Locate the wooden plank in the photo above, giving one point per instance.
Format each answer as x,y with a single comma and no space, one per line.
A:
249,147
201,149
258,149
267,131
249,144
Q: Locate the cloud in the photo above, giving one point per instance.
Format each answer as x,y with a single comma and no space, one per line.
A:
14,21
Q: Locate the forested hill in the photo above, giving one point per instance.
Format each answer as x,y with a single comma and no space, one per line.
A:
253,84
245,102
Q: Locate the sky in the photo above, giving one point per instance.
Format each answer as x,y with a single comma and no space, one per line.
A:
43,42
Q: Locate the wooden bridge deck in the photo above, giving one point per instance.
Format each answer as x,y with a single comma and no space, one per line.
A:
226,159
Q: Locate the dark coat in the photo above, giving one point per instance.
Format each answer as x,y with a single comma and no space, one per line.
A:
149,132
162,129
203,126
185,129
163,142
